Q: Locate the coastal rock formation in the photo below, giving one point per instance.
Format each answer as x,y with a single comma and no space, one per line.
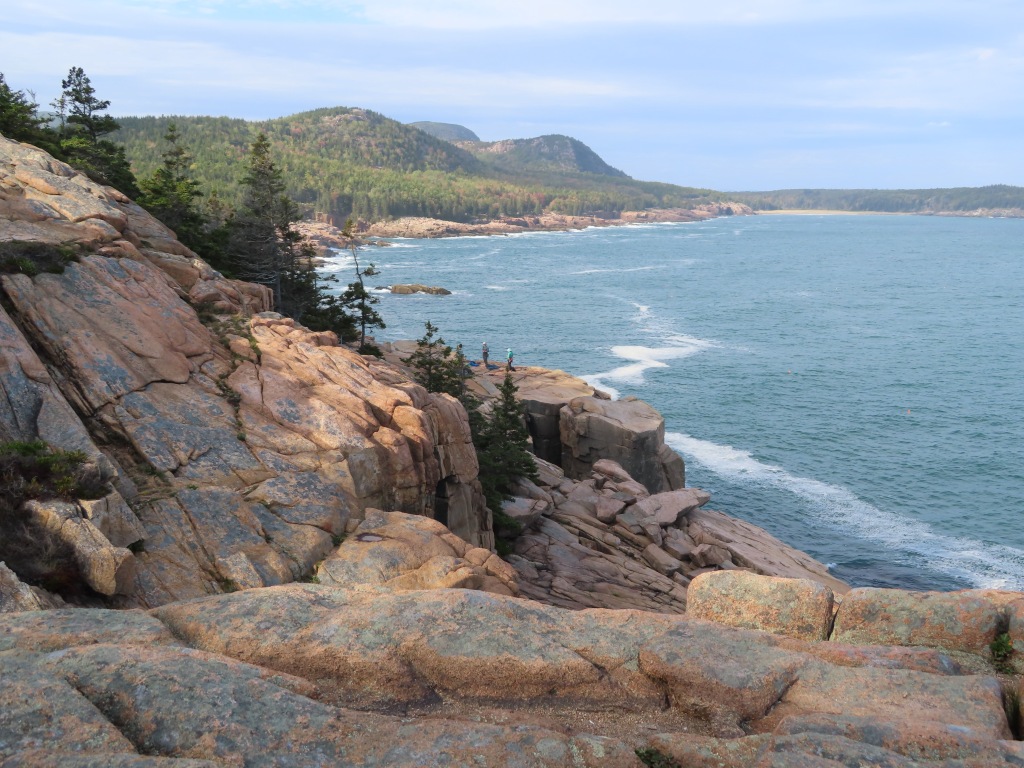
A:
627,431
606,542
799,608
238,451
409,288
305,673
241,442
405,552
573,425
423,227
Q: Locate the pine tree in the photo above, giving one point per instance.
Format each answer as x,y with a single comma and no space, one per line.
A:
264,248
172,194
356,300
82,124
19,119
503,447
259,246
435,366
83,108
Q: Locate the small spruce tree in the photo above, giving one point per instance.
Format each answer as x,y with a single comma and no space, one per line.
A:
435,366
19,119
503,448
172,194
359,302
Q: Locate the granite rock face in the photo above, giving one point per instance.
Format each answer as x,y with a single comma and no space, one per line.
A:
627,431
401,552
573,425
606,542
238,444
799,608
967,620
272,676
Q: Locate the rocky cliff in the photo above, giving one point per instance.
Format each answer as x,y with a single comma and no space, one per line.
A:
236,452
239,447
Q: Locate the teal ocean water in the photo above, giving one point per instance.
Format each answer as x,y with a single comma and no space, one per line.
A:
852,384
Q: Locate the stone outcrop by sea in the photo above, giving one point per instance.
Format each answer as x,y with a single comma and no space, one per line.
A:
292,563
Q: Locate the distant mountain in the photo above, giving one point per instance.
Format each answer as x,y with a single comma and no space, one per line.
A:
446,131
344,161
998,198
552,153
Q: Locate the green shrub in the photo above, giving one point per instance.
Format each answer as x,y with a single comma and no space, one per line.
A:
31,258
1002,651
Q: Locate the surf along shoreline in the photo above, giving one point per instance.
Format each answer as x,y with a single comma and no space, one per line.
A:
326,235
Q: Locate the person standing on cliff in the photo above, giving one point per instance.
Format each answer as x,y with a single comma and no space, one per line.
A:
508,361
484,352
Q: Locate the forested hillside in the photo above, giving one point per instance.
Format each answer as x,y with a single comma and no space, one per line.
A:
446,131
544,154
956,200
354,162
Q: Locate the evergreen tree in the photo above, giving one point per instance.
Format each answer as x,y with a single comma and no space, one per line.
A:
502,440
435,366
83,108
19,119
357,300
82,124
263,247
502,447
172,194
259,245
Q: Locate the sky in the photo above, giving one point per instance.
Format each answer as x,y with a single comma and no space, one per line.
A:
726,94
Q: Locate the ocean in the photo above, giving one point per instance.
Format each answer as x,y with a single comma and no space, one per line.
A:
852,384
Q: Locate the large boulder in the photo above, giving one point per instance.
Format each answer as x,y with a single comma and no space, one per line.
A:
967,621
798,608
399,551
628,431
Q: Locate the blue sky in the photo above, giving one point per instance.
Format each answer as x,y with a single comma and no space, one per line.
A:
731,94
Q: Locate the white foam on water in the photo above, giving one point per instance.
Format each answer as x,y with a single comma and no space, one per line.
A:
642,359
616,270
497,288
986,566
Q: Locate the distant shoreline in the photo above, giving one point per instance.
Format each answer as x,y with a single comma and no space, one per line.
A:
829,212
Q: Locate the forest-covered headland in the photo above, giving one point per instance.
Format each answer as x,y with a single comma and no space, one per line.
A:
347,162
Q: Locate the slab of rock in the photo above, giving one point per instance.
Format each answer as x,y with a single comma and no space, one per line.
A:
398,551
628,431
526,512
798,608
660,560
543,393
114,519
183,703
754,548
107,569
955,621
669,508
15,595
47,631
